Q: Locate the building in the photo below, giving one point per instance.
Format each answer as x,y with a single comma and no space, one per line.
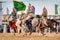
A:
1,14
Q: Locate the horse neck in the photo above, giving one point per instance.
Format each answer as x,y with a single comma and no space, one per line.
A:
50,23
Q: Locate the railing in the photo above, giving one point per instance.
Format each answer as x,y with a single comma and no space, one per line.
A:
4,22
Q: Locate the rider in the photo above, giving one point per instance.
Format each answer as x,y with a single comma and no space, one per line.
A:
44,14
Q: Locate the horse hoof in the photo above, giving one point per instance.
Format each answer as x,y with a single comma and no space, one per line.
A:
56,33
19,33
30,33
25,35
43,34
14,34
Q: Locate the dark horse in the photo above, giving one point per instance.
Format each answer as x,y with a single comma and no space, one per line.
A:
51,23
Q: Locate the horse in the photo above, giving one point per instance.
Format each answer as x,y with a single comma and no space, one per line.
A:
20,23
50,23
32,24
53,25
43,25
36,23
19,26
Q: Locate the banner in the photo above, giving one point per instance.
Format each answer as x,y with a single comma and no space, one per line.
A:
19,6
1,14
56,10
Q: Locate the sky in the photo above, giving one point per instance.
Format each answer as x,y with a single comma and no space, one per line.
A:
39,5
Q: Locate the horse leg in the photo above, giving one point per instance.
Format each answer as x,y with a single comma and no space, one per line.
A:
22,30
42,30
57,29
25,31
31,30
19,31
48,29
37,29
51,29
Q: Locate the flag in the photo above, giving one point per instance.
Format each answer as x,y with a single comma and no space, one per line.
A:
29,8
19,6
7,11
56,10
14,10
33,9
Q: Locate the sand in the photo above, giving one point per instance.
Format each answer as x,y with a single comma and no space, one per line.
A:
34,36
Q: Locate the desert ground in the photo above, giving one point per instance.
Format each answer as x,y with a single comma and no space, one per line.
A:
33,36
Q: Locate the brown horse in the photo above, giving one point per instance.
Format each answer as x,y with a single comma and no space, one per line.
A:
53,25
50,25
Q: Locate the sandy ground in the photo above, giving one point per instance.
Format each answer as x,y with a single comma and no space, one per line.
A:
34,36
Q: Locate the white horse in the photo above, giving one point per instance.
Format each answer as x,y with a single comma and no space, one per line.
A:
19,27
35,24
21,24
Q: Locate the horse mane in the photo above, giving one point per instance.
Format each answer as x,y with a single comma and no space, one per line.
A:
38,16
52,20
31,17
